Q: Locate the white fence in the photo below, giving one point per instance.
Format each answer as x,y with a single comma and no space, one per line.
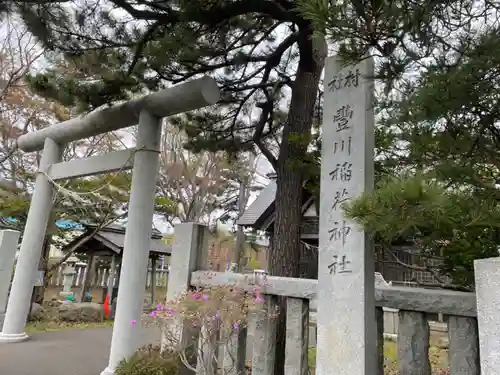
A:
102,277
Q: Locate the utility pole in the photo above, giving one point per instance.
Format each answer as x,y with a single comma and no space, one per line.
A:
239,259
239,248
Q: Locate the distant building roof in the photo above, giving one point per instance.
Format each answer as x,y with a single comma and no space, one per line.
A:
111,239
69,224
263,204
9,223
13,223
260,214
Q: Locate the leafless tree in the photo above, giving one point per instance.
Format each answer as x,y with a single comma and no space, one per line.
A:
200,187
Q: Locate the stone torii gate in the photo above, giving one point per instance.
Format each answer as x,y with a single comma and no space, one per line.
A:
147,112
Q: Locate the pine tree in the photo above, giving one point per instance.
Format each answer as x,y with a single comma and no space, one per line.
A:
437,133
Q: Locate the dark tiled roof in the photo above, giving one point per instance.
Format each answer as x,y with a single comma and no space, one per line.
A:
260,214
112,237
259,206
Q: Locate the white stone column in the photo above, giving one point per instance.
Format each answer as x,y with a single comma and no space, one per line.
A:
346,326
487,277
189,253
153,279
111,277
125,339
34,233
8,247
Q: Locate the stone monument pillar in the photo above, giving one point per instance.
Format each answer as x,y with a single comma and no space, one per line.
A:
487,277
68,277
346,282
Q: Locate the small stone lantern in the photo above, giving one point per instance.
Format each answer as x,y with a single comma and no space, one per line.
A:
259,277
68,276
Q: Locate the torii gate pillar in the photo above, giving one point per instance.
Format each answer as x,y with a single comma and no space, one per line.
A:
31,247
134,269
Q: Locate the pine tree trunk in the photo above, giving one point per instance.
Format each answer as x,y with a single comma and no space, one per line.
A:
286,249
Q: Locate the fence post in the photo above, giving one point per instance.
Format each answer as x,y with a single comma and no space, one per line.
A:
264,339
111,277
8,247
189,253
153,279
297,336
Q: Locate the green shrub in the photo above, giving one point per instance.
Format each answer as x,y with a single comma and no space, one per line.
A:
149,361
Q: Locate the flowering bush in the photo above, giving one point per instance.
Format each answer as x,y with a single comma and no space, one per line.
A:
207,320
148,361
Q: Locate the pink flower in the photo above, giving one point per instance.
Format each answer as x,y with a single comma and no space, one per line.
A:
133,322
153,314
257,292
159,307
236,325
196,296
205,297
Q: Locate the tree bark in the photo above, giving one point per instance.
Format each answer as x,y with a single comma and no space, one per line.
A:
286,250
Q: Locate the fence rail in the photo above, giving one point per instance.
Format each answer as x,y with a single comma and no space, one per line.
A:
413,304
101,277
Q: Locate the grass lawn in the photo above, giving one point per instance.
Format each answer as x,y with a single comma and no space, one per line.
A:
59,326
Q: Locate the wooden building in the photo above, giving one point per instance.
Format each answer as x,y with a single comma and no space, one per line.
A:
107,245
260,216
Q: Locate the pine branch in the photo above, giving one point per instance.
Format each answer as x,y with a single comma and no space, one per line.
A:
211,16
267,109
272,60
455,287
143,14
404,264
440,282
141,44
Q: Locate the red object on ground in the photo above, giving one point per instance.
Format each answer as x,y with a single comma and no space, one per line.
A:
107,310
